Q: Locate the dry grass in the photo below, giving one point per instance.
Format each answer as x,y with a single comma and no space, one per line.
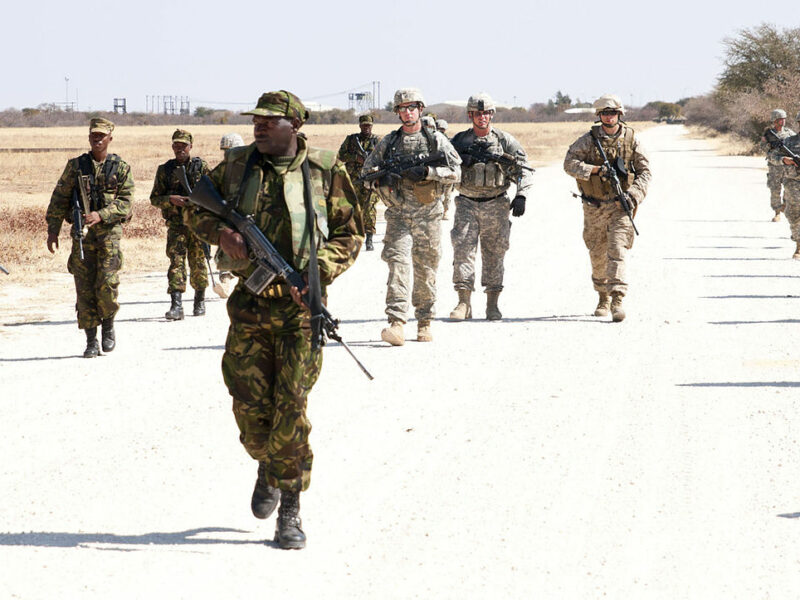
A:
27,180
725,144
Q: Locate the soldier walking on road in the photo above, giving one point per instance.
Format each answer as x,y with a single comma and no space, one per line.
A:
413,216
171,196
108,184
607,230
482,205
226,278
353,152
441,127
269,365
791,189
775,168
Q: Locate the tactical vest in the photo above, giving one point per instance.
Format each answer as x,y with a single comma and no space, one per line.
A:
426,191
193,172
482,180
619,145
103,186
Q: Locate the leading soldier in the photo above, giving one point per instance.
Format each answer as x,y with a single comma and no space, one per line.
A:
269,366
413,216
108,186
171,196
353,152
607,230
775,168
791,190
482,205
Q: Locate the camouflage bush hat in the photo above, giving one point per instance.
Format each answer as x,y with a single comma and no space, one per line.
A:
101,125
181,135
778,114
366,119
279,104
608,101
480,101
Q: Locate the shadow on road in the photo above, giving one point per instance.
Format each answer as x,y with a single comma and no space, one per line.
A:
744,384
32,358
755,276
56,539
794,515
753,322
751,296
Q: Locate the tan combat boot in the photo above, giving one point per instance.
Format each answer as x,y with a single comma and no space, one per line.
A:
393,334
796,254
777,216
492,312
463,310
603,306
424,331
617,312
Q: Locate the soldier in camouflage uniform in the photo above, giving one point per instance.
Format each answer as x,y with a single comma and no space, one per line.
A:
482,206
607,230
171,196
791,190
268,365
353,152
441,127
775,168
413,216
110,190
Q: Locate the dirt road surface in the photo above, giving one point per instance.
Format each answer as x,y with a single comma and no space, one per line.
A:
550,455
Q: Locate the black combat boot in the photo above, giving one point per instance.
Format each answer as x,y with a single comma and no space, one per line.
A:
199,303
108,339
175,312
265,497
287,530
368,244
92,347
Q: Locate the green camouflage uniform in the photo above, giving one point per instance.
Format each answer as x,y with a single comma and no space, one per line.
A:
97,275
268,365
791,189
353,157
182,244
607,231
776,170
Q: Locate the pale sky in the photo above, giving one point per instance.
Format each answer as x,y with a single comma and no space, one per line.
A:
224,54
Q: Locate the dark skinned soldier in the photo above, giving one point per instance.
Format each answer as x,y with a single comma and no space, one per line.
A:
353,152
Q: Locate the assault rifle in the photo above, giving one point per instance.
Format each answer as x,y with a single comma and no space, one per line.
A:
394,167
361,151
218,289
479,152
611,172
778,144
269,263
4,270
80,206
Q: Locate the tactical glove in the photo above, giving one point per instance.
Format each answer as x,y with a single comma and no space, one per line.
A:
416,174
518,206
467,160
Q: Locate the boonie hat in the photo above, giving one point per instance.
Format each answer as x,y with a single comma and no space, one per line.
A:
279,104
101,125
181,135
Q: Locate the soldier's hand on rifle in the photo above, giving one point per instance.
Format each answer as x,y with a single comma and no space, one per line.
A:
93,218
467,160
297,295
178,200
416,173
789,161
518,206
52,242
603,172
631,201
232,244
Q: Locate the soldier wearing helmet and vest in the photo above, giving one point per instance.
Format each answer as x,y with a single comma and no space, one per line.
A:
413,216
353,152
791,189
607,230
483,205
226,278
774,158
441,127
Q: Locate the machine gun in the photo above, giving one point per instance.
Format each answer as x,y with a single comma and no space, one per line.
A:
778,144
479,151
268,261
611,172
80,206
394,167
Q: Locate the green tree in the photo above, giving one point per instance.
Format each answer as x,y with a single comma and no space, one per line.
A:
754,55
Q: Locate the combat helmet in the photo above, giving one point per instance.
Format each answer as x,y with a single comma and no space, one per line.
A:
429,122
442,125
404,95
230,140
608,101
778,113
480,101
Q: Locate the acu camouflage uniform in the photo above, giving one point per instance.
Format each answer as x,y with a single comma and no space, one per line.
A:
607,231
353,157
776,170
182,244
482,208
791,189
413,221
268,365
97,276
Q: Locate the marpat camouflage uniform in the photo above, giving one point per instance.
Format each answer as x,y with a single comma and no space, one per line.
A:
791,190
353,158
268,365
482,208
607,231
776,170
413,222
182,244
97,275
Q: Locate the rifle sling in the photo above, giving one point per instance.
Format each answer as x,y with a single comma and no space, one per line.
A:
314,285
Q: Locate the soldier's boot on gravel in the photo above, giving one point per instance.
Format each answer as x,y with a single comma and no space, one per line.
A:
199,303
368,244
288,532
796,254
92,347
109,341
424,331
617,312
175,312
265,497
603,305
492,311
393,334
777,216
463,309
